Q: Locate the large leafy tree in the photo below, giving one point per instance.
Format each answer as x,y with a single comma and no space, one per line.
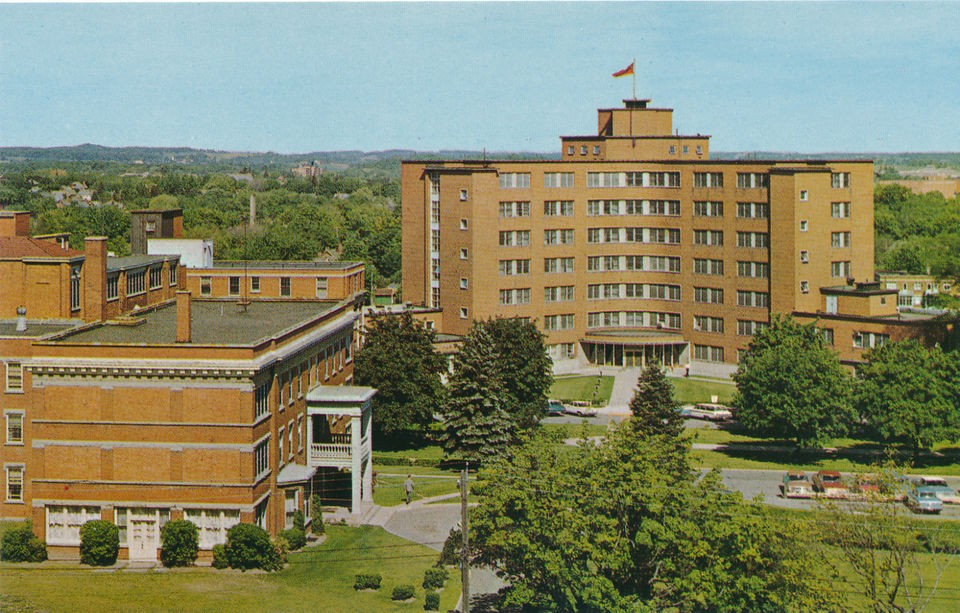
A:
654,408
790,384
524,367
910,394
627,526
476,424
399,360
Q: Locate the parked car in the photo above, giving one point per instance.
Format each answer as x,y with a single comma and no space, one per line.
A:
796,485
867,487
944,492
580,408
707,411
829,484
923,499
555,407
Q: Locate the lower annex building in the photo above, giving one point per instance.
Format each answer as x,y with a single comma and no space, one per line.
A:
125,398
635,247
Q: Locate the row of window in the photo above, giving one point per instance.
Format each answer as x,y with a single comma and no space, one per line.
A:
136,281
661,236
645,263
661,208
745,180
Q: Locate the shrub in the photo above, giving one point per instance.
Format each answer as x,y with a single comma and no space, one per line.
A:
20,544
316,513
367,582
282,547
402,592
220,557
450,555
99,543
434,578
432,601
296,538
181,541
299,522
249,546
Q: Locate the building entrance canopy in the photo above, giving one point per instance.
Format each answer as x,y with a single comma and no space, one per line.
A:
636,348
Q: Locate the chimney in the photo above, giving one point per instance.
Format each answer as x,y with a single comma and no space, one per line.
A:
15,223
95,278
253,210
21,319
184,334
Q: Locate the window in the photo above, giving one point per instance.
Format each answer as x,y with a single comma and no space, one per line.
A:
300,436
749,327
827,336
14,377
707,353
75,295
463,224
212,524
804,256
559,293
673,150
558,208
753,299
464,283
515,296
686,148
708,295
156,277
290,507
280,456
804,287
759,270
122,516
322,284
583,150
254,285
651,291
839,239
569,149
653,179
754,240
804,195
704,323
558,322
603,291
284,286
14,427
558,237
464,253
753,210
708,209
63,523
514,180
868,340
113,286
840,270
596,150
511,238
702,266
605,179
514,267
551,265
562,351
803,225
206,285
752,180
261,458
234,286
464,313
463,195
651,263
663,208
840,180
558,179
262,401
708,237
699,149
707,179
135,282
173,273
514,209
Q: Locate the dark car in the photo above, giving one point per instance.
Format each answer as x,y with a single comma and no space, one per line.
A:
555,407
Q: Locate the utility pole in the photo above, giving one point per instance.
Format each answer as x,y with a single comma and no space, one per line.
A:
465,553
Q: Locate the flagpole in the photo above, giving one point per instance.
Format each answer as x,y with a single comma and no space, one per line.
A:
634,75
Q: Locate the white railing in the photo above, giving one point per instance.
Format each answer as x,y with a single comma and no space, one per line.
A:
326,451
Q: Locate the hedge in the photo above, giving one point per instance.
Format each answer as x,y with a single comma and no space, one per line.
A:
296,538
181,543
20,544
99,543
434,578
367,582
249,546
432,601
402,592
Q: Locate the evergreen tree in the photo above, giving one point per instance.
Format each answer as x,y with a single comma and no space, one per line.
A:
476,425
655,410
525,368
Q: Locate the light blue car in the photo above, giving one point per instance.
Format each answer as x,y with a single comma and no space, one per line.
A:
922,499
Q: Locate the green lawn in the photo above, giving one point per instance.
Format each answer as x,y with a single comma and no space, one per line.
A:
318,579
389,490
582,387
692,391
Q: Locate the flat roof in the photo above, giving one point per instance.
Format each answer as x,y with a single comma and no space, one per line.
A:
214,322
341,393
137,261
438,164
35,329
282,264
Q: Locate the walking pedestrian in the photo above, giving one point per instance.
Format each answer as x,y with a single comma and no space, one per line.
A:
408,487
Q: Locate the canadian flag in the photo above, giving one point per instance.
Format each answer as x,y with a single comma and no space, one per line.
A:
626,71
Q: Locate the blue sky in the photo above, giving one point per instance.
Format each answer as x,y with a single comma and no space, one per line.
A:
808,77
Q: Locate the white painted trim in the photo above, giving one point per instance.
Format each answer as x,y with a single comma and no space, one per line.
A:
41,443
147,423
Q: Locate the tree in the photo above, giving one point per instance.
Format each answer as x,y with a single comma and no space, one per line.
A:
790,384
525,368
399,360
476,425
627,526
910,394
654,409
